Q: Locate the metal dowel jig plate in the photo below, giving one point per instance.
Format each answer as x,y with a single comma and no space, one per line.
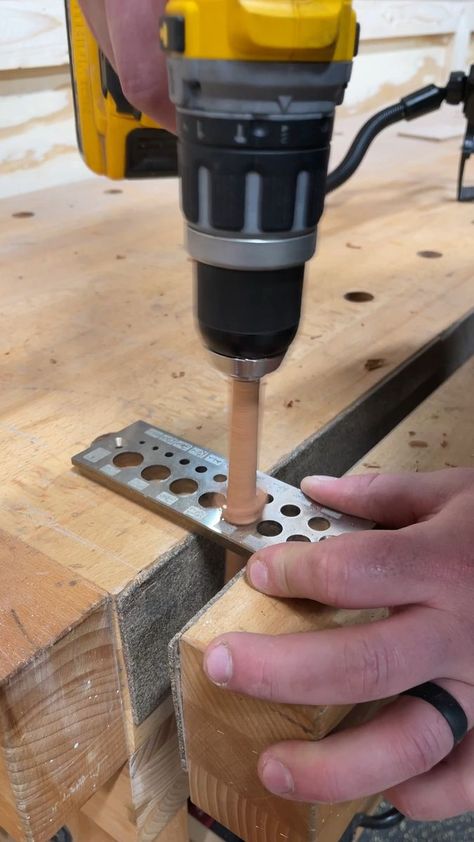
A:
186,483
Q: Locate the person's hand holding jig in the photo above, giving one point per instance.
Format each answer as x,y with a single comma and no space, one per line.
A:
422,566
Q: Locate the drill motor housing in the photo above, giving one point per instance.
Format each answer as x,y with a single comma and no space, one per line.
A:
255,111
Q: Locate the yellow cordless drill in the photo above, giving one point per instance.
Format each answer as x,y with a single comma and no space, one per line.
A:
255,84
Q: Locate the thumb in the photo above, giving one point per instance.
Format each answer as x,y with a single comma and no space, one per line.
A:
393,500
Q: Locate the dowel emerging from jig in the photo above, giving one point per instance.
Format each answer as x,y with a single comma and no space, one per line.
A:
244,500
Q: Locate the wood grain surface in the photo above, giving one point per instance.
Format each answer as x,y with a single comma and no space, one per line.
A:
61,720
98,288
96,330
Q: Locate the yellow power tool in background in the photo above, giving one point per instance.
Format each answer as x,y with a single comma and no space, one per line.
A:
114,138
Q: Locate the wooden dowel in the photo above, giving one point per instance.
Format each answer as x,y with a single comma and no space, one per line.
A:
244,500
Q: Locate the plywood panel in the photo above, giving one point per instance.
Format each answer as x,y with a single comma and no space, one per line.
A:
33,34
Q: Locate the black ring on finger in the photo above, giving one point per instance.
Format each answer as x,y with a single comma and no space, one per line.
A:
445,704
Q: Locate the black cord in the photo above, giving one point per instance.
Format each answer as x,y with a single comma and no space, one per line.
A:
361,143
391,818
414,105
382,821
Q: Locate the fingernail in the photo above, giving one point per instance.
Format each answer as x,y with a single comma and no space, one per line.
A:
218,664
276,777
258,574
320,478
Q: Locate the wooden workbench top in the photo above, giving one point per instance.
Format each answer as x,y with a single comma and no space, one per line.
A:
97,331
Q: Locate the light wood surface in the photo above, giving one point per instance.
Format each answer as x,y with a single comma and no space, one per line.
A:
143,801
437,434
100,341
224,732
61,722
96,331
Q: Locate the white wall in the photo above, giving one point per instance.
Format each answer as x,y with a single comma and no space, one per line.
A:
405,44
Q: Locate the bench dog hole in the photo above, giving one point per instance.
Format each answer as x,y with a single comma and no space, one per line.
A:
358,296
290,511
319,524
212,500
298,538
269,528
156,472
128,459
184,485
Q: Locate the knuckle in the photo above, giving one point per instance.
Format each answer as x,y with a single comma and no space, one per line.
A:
266,683
420,751
367,669
331,577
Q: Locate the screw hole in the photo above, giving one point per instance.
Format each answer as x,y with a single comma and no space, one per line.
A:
298,538
269,528
319,524
169,454
201,469
156,472
155,447
128,459
184,461
290,510
142,442
219,477
270,498
185,485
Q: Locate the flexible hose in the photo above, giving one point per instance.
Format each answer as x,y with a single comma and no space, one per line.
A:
361,143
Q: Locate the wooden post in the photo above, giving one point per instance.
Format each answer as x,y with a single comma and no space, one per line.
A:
225,732
146,801
61,728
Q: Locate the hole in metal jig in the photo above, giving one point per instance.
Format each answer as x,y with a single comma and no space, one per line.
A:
184,486
142,442
128,459
201,469
169,454
269,528
358,296
319,524
155,447
219,477
290,510
298,538
212,500
270,498
156,472
184,461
